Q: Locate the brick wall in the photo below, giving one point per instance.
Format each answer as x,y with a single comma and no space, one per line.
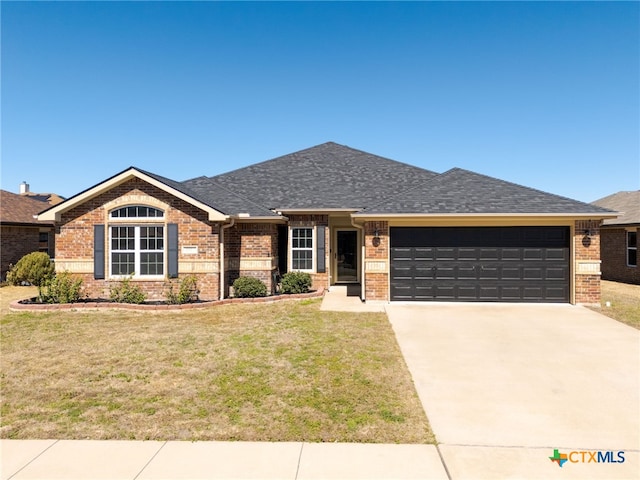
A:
74,238
18,242
251,251
614,256
587,285
376,253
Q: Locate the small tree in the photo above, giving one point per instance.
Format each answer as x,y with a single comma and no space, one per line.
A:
35,268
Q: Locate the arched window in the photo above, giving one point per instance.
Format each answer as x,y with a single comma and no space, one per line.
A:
137,248
137,211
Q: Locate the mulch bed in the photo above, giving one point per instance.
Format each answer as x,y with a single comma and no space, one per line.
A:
31,304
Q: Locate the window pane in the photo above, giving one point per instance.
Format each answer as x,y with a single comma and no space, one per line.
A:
302,260
122,238
151,238
632,257
151,264
632,239
122,264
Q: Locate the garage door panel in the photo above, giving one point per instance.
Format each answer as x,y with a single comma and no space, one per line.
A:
513,264
511,254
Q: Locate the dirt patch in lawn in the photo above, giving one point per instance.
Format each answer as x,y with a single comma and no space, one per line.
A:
623,302
274,372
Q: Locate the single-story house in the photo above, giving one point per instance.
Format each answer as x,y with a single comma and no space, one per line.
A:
343,215
20,230
619,237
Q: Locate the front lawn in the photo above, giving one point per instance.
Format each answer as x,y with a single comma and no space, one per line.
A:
278,372
624,302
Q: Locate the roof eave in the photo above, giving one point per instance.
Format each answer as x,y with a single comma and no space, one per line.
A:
54,213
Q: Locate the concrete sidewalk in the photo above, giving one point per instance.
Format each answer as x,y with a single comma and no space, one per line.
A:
152,460
346,298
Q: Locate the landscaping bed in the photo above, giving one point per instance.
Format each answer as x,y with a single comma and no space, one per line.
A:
32,303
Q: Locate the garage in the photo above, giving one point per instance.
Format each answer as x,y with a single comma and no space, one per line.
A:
480,264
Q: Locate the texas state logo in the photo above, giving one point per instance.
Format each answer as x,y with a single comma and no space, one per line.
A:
559,458
582,456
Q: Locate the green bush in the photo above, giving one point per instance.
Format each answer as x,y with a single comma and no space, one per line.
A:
187,291
249,287
125,292
35,268
63,288
296,282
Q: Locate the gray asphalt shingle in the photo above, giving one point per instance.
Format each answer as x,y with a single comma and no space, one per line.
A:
460,191
333,176
327,176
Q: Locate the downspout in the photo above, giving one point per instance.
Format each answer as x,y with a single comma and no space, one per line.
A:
222,229
363,251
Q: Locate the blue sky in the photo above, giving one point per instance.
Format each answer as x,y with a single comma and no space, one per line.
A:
543,94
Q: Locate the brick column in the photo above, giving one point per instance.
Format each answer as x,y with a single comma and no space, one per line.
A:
587,261
376,260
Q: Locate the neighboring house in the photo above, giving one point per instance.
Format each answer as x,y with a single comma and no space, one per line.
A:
20,230
619,238
344,216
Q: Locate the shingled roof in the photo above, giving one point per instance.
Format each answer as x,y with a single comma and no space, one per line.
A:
324,177
460,191
330,177
627,203
20,209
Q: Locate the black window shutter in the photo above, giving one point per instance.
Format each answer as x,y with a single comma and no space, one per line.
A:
321,250
172,258
98,252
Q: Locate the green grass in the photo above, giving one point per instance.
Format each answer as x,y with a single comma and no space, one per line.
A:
274,372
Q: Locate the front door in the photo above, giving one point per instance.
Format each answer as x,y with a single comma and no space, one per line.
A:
347,255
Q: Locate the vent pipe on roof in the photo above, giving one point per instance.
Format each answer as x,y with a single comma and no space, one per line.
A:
24,188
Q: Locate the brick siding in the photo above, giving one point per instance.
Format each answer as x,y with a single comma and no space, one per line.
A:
247,241
377,248
614,256
587,286
18,241
74,237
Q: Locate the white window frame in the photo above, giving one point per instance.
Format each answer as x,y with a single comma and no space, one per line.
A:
631,247
138,223
292,228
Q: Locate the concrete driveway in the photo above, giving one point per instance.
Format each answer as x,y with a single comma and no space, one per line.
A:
514,382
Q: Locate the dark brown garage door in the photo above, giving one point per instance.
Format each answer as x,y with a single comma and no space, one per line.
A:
490,264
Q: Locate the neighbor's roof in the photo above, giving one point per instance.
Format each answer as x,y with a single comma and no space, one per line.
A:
627,203
20,209
460,191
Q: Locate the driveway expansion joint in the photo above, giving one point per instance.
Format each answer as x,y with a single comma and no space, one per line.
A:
151,459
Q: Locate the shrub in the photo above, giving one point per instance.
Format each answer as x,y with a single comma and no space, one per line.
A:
125,292
35,268
249,287
187,291
296,282
63,288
